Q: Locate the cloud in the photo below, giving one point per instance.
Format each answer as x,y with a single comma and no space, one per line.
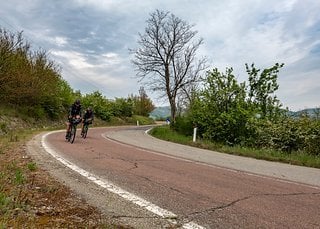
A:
90,39
72,58
91,72
61,41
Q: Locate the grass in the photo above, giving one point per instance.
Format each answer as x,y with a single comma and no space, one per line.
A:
297,158
142,120
30,198
12,177
32,166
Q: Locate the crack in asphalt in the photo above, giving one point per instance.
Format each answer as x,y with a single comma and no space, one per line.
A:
162,185
146,178
289,194
135,166
135,163
248,197
217,208
189,217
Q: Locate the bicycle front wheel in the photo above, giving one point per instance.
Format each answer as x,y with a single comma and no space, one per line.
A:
85,131
73,133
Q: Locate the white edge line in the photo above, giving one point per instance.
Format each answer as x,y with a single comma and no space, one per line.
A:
170,216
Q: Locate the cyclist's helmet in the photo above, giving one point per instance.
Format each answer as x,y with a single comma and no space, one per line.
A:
77,102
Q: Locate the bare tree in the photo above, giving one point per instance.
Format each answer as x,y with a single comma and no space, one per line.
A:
165,60
186,97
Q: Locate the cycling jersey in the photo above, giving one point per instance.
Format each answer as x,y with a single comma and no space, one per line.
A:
75,110
88,115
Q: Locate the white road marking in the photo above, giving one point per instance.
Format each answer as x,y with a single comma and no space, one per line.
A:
165,214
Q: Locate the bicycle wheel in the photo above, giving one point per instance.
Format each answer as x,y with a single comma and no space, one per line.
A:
85,131
73,133
68,136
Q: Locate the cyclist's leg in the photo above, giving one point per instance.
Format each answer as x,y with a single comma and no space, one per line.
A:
68,129
85,129
82,126
73,132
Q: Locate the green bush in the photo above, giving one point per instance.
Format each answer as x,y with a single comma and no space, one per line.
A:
32,166
27,112
236,114
99,104
288,135
184,125
104,114
311,136
122,107
298,158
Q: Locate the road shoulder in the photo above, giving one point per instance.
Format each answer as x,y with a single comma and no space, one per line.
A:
275,170
115,209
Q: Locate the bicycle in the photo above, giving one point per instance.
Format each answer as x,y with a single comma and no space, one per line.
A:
85,127
84,130
73,130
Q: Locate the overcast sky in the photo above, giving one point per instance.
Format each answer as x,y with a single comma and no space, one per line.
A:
90,39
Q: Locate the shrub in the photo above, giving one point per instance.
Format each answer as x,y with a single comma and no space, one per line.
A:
104,114
184,125
288,135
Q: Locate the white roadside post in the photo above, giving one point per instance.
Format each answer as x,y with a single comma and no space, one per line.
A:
194,134
137,123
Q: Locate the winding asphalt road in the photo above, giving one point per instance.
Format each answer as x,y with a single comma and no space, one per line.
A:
147,183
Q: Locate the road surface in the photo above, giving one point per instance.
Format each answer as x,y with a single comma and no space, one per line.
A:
147,183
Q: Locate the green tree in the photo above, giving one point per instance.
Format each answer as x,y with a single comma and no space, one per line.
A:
29,79
9,44
142,104
101,106
262,88
122,107
220,109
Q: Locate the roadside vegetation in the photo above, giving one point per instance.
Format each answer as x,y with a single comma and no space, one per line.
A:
294,158
31,84
238,117
30,198
242,118
246,120
33,98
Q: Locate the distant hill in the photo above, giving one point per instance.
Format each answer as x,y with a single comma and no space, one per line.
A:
311,112
160,113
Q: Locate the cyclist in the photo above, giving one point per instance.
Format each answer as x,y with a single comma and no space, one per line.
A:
87,118
74,113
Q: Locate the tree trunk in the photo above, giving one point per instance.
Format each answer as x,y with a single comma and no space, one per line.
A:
173,110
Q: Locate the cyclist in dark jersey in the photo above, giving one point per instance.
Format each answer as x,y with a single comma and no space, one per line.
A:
74,112
87,117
